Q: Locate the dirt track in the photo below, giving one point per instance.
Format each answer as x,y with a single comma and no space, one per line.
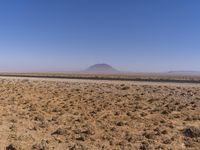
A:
86,114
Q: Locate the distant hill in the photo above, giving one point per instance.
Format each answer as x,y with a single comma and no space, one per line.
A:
101,68
184,72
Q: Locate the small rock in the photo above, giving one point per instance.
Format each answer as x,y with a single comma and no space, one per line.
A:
144,147
40,146
192,132
59,131
167,140
80,137
123,87
10,147
119,123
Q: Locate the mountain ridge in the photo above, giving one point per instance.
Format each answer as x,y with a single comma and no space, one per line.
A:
185,72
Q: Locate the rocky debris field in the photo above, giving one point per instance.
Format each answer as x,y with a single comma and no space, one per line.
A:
47,115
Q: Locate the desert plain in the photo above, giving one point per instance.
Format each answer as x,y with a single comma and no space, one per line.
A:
70,114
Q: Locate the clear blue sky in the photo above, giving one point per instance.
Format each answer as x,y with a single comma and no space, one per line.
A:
131,35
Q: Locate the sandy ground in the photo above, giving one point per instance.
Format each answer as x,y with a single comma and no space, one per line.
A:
61,114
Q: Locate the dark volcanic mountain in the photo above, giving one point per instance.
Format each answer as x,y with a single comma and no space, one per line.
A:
101,68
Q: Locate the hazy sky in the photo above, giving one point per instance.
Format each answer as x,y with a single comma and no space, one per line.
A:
131,35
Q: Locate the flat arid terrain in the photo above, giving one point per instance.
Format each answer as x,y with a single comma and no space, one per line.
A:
62,114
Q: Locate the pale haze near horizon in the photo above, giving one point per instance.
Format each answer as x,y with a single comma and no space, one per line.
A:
138,36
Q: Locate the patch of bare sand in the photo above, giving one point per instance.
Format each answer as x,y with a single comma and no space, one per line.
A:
83,114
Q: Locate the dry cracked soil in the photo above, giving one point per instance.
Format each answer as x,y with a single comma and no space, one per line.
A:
65,115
